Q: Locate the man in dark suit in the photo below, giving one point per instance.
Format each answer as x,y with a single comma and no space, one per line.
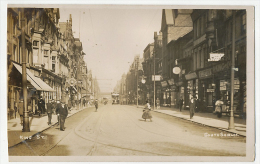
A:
41,106
49,112
62,110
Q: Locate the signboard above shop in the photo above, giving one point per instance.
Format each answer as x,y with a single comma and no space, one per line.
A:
190,76
205,73
164,83
215,56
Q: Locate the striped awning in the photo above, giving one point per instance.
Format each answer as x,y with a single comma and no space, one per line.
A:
36,82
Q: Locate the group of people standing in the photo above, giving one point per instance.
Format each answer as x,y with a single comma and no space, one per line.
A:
60,109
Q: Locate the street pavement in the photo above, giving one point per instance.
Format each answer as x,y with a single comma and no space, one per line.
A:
119,130
207,119
39,124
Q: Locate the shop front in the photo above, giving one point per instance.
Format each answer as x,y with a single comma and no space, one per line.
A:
206,90
191,88
165,94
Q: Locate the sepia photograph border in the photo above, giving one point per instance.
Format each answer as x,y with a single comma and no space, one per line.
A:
253,114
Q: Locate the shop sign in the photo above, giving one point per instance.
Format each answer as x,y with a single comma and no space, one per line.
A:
182,89
236,83
191,76
171,82
164,83
236,86
210,90
215,56
221,67
223,85
156,77
205,73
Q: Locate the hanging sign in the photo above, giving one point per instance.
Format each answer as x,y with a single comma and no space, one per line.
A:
72,81
215,56
176,70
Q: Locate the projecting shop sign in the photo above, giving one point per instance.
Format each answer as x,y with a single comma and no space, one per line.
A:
215,56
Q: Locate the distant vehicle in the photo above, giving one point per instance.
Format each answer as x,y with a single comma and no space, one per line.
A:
105,100
115,98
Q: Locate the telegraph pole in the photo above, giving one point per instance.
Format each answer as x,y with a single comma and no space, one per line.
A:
231,121
137,63
154,80
26,127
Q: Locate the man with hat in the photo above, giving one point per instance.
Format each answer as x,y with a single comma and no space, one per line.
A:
49,112
62,111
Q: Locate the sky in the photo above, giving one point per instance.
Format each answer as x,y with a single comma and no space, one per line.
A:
111,37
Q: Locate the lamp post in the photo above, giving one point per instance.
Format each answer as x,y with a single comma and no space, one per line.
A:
231,121
26,127
143,82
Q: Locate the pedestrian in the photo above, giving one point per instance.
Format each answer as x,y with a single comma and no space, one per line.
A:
57,111
146,112
84,102
49,112
180,103
218,107
96,104
15,109
192,106
41,106
63,112
20,111
158,103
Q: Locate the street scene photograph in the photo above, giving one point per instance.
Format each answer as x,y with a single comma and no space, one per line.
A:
130,83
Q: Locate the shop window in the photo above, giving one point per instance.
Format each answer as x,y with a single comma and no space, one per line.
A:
243,26
14,26
202,54
45,52
35,43
14,52
195,30
198,59
198,28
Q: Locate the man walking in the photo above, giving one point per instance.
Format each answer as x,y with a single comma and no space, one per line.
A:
41,106
57,111
96,104
49,112
180,103
192,106
157,103
63,112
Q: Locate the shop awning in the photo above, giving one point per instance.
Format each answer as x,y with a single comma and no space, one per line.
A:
36,82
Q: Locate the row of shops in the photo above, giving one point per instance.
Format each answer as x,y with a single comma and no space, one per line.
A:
207,85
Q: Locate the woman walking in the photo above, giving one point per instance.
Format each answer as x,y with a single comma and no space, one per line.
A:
146,112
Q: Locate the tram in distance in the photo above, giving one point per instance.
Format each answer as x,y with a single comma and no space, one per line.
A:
115,98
